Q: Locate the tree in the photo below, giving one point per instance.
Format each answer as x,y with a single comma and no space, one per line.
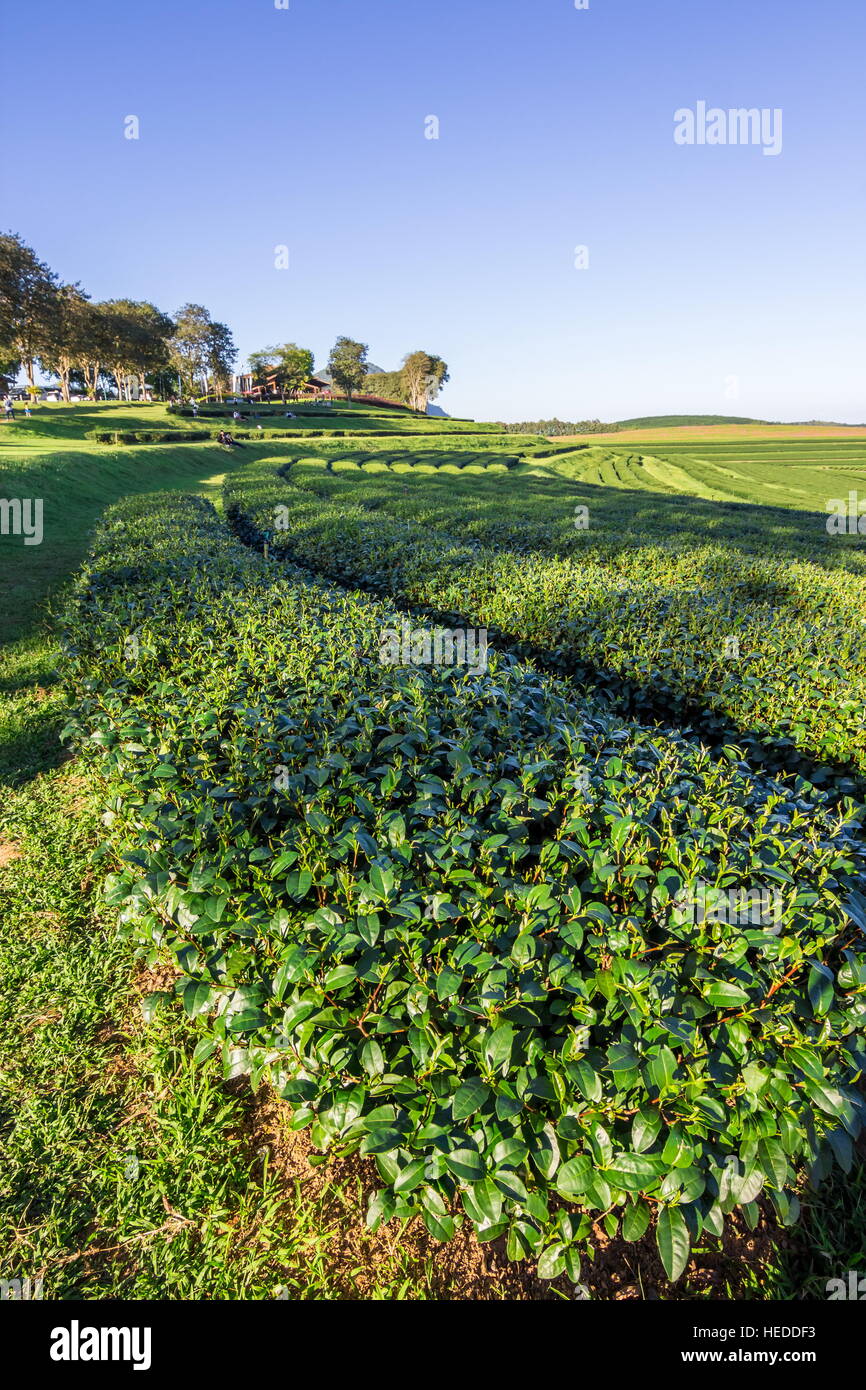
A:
220,356
348,365
138,341
117,331
150,352
295,366
68,335
201,349
28,301
96,345
190,345
389,385
423,375
262,364
8,367
292,366
437,377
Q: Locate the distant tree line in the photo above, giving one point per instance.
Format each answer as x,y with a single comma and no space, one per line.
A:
554,427
131,344
55,326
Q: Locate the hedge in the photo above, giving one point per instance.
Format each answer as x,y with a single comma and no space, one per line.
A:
196,436
646,621
442,913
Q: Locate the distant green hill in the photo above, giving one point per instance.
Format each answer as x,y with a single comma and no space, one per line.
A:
660,421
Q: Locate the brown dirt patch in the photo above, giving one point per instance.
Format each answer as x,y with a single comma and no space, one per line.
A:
9,852
155,979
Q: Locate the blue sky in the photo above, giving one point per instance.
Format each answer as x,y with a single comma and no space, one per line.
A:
720,279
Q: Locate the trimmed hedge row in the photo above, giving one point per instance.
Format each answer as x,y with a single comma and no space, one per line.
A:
399,414
652,623
443,914
198,436
149,436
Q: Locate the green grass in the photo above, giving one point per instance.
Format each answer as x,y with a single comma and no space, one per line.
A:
76,485
800,475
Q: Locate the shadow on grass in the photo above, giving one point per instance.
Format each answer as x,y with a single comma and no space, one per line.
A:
75,489
30,740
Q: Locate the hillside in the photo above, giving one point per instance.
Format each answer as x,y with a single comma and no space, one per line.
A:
663,421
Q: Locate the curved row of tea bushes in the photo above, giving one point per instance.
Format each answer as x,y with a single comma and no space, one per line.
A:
777,650
534,512
188,436
418,446
442,912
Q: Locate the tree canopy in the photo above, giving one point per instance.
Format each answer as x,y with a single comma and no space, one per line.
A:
423,376
28,302
348,365
202,350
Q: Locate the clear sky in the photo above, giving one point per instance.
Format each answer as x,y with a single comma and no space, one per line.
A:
720,279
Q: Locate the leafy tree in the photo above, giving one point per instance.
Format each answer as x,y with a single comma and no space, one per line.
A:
423,375
97,345
68,335
296,365
201,350
263,364
189,349
437,377
28,302
557,427
151,351
389,385
139,335
220,356
348,365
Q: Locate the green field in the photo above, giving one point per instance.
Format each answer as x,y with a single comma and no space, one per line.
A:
431,914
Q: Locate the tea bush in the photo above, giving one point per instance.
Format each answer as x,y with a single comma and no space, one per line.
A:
649,624
442,912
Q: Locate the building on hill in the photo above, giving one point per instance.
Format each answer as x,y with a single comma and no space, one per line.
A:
319,386
244,384
320,381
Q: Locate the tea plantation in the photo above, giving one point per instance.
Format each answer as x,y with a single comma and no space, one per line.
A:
444,910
